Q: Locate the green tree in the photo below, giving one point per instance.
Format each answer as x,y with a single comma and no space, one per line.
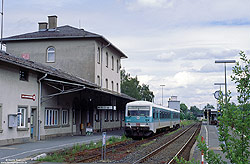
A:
208,106
234,127
131,86
195,110
184,110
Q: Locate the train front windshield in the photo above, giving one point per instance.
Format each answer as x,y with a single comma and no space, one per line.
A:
138,110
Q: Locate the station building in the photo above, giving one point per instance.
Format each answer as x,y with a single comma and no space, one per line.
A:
58,81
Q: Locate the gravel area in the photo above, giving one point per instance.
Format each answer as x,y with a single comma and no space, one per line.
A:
144,150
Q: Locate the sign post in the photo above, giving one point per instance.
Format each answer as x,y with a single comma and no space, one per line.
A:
103,145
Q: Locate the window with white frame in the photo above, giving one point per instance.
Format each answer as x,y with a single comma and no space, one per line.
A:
98,55
98,80
112,62
51,54
117,66
117,87
107,83
112,85
74,117
51,117
111,115
107,59
21,117
106,115
117,115
97,115
65,118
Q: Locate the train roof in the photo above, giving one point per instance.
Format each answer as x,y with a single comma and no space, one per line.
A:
147,103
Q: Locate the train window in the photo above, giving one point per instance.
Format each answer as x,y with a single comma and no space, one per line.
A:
138,112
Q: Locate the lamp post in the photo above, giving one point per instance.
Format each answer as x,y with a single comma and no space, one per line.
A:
225,62
162,94
220,84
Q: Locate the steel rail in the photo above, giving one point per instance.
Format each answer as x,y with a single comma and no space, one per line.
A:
183,147
97,156
141,160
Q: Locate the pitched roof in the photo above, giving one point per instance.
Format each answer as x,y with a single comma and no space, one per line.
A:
62,32
38,67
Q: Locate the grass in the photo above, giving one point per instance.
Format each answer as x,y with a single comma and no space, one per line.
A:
187,122
61,156
149,143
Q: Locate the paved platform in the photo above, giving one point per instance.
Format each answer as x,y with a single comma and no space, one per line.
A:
211,137
27,150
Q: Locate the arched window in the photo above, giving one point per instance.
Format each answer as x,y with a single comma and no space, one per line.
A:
117,87
112,85
107,83
98,55
107,59
112,63
98,80
51,54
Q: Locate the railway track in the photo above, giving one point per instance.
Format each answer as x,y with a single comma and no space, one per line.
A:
176,145
95,154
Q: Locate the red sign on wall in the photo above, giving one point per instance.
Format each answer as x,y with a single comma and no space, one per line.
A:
32,97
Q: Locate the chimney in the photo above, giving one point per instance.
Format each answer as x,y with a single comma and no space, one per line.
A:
52,22
43,26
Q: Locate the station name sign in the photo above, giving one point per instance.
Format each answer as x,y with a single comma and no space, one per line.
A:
106,107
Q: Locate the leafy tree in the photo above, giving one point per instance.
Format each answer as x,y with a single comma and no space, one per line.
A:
131,87
183,108
234,127
195,110
208,106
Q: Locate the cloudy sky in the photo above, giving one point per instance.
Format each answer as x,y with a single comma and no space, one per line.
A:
168,42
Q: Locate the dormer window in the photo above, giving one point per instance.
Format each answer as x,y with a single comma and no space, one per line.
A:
51,55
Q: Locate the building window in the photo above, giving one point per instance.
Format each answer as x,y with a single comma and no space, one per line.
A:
107,59
51,55
117,87
97,115
106,115
117,115
98,55
107,83
51,117
74,117
111,115
21,117
112,85
98,80
24,75
112,61
65,114
117,66
123,115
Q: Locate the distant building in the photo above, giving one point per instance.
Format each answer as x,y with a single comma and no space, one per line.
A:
174,103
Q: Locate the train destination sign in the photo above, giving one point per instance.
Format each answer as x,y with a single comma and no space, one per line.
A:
106,107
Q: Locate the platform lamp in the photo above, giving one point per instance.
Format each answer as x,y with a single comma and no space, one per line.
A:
225,62
162,94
